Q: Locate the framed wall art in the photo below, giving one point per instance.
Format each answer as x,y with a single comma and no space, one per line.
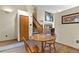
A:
70,18
48,16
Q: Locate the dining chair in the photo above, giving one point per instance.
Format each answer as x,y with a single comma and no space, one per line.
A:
30,48
51,44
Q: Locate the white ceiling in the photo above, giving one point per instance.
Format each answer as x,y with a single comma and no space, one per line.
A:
13,7
50,8
16,7
55,8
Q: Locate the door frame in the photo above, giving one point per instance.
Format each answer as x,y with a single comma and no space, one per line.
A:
24,13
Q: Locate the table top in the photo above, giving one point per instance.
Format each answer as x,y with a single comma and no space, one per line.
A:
43,37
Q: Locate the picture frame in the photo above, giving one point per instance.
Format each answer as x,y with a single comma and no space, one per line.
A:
70,18
47,28
48,16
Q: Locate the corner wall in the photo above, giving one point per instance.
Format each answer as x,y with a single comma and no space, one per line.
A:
7,25
67,33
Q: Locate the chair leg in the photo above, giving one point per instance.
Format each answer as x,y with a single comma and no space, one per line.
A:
54,47
50,48
45,44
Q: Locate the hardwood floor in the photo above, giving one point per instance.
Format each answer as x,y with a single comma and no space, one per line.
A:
59,48
15,50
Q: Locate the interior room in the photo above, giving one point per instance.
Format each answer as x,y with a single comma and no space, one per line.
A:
39,29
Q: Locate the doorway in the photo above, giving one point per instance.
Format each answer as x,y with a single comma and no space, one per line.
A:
24,27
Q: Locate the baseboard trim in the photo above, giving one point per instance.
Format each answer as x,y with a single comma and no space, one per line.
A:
8,40
68,46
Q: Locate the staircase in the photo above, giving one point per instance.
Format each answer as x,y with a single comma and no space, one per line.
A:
37,27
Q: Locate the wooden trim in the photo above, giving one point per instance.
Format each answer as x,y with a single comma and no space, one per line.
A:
8,40
68,46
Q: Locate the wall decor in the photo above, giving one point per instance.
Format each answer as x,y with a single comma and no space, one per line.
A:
48,16
70,18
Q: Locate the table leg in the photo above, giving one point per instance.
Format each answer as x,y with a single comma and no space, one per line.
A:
50,48
42,47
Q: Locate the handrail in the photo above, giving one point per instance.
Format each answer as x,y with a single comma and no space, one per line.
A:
36,21
37,25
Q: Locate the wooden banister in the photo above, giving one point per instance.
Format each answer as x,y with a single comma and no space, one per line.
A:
37,25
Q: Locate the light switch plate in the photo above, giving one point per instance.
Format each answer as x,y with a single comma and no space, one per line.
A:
77,41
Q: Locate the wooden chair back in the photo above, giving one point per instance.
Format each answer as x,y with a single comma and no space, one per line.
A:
29,48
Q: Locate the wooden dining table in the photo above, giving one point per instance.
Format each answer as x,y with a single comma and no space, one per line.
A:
42,38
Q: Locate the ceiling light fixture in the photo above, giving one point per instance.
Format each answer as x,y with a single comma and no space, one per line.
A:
8,10
59,10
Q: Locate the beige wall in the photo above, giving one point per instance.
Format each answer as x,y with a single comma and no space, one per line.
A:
7,25
67,33
40,15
